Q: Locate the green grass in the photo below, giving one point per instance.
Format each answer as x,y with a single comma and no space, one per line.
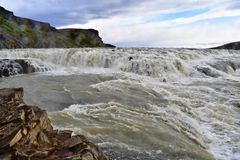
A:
33,37
9,27
86,41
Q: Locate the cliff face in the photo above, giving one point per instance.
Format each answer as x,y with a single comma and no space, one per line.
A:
17,32
27,133
234,46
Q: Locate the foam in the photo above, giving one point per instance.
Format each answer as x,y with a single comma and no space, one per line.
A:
192,90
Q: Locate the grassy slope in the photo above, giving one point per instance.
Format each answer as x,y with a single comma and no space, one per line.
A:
26,36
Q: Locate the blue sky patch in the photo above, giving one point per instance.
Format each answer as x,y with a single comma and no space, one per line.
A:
176,15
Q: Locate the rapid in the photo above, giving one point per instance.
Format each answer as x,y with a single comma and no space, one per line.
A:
139,103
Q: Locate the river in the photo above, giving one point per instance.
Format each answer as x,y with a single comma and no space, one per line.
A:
140,103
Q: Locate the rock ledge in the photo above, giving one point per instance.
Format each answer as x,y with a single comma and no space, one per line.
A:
26,133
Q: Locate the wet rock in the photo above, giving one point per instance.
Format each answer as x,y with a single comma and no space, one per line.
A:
27,133
107,63
26,66
130,58
9,67
208,72
235,103
5,72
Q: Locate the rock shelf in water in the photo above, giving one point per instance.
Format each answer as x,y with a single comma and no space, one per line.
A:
26,133
10,67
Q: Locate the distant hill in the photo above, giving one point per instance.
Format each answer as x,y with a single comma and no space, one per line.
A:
17,32
233,45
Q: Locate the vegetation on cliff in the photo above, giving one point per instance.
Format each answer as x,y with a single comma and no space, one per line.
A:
17,32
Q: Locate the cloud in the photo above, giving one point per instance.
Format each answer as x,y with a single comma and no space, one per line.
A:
198,34
62,12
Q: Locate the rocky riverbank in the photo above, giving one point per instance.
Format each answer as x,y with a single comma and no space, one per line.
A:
26,133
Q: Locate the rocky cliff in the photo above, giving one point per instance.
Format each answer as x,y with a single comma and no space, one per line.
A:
27,133
17,32
233,45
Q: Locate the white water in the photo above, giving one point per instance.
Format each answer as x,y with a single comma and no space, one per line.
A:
189,97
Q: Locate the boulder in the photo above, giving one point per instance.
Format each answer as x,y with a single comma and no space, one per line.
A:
208,72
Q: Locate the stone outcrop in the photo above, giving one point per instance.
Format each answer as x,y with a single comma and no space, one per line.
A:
208,72
27,133
17,32
234,46
10,67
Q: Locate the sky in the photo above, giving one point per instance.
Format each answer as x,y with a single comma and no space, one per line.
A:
141,23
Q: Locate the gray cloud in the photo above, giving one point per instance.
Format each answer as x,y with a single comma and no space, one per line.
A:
65,12
234,5
62,12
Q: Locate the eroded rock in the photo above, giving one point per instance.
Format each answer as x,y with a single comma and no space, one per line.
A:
10,67
27,133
